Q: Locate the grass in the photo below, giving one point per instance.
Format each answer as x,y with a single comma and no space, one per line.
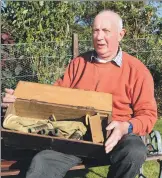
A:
151,168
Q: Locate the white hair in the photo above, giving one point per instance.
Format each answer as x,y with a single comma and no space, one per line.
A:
120,21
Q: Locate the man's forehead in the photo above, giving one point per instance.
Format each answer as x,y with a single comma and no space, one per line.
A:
105,20
103,23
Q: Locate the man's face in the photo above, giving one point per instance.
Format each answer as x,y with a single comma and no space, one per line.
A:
106,36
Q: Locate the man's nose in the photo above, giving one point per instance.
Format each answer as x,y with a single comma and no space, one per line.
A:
100,35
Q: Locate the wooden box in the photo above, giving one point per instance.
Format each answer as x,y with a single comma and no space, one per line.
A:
40,100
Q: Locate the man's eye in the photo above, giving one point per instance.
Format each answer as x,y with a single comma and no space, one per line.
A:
95,30
106,31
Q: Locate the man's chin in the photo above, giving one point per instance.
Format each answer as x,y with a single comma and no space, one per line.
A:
103,54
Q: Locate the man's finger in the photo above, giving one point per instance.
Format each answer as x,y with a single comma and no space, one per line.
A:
5,105
108,150
9,91
8,100
111,126
110,147
113,137
9,96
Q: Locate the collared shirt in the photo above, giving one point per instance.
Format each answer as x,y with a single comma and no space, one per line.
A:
117,59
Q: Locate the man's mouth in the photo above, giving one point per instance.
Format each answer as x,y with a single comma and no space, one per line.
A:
100,45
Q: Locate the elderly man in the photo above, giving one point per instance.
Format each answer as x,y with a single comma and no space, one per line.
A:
109,69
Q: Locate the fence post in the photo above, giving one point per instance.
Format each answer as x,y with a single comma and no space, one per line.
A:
75,45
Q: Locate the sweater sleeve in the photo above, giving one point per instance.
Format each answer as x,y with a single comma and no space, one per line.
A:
144,104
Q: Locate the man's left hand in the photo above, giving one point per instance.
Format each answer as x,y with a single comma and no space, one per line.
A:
119,129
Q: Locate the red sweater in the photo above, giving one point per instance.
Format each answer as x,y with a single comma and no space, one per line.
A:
131,85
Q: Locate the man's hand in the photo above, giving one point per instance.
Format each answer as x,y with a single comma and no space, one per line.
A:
8,98
119,129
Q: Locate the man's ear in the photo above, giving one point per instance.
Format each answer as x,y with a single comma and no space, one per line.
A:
121,34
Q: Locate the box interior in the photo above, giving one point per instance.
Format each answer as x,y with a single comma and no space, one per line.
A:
42,110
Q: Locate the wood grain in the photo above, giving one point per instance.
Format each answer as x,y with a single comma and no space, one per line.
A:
64,96
96,129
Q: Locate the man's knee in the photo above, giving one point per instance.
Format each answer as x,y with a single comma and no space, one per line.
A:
49,163
136,150
130,149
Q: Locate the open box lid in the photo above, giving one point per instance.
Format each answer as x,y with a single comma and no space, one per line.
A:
96,101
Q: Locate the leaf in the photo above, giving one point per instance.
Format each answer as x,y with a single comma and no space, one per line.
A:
18,69
6,73
14,22
21,57
25,11
67,28
40,27
4,36
41,3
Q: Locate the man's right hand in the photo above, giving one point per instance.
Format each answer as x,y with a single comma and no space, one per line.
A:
8,98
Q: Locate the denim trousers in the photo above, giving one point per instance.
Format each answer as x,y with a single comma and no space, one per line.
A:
125,160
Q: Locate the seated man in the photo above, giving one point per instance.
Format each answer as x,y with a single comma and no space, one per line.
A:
109,69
